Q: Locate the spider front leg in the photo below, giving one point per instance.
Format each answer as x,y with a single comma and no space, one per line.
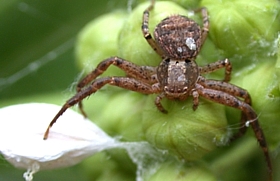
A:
234,91
143,73
145,30
216,66
227,99
123,82
205,28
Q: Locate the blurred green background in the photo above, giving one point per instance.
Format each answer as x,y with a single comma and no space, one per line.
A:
37,58
37,40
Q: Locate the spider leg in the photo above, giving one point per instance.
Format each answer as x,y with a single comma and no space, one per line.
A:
144,73
205,28
216,66
145,30
124,82
195,96
234,91
159,105
227,99
158,99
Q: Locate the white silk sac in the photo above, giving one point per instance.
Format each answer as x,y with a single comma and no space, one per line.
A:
71,139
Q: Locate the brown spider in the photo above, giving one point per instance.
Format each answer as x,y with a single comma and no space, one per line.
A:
178,40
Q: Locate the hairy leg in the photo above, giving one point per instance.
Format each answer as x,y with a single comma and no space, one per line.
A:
145,29
124,82
234,91
205,28
231,101
142,73
216,66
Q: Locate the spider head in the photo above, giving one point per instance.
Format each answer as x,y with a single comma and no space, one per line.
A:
179,37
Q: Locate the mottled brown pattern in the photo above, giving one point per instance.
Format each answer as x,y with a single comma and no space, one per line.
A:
178,40
171,34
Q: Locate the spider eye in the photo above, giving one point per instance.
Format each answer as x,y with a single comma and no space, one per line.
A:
167,60
187,61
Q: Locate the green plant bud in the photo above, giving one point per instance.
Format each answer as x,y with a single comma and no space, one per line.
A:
116,174
118,167
182,172
100,159
188,4
193,4
263,87
244,29
183,132
117,113
132,44
98,40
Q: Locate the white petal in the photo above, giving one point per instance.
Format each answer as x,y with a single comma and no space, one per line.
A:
71,139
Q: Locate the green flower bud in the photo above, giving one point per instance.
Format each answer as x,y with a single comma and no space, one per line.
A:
183,132
98,40
116,175
124,120
182,172
100,168
244,29
188,4
118,168
118,113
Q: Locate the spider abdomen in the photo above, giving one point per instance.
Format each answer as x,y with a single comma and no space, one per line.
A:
179,37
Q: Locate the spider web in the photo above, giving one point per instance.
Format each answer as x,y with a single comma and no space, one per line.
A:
36,64
39,40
